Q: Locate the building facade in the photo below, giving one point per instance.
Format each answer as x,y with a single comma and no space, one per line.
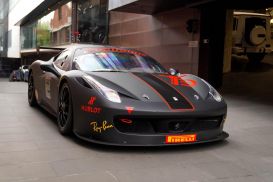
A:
11,12
62,23
164,36
168,31
17,10
180,34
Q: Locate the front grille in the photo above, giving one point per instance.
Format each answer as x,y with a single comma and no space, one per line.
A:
154,125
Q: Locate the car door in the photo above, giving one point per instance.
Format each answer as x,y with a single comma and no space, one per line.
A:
62,64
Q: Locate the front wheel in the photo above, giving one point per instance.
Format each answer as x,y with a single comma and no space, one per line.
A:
31,91
65,111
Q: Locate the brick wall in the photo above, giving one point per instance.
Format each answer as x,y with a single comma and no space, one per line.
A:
163,36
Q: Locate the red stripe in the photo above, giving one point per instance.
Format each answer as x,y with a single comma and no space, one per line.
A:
193,108
162,98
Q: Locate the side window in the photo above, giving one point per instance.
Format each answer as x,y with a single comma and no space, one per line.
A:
63,61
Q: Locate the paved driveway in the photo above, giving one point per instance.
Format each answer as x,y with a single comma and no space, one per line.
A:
31,149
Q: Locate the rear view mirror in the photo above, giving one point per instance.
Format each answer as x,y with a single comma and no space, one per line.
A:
173,71
50,68
46,67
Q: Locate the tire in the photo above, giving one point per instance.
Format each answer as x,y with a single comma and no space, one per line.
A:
255,58
65,111
99,37
31,92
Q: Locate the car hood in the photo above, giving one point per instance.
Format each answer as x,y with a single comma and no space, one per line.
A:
178,92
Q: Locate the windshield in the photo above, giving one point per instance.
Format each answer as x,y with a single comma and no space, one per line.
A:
117,60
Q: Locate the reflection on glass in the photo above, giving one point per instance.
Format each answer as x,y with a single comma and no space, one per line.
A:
55,28
2,10
1,37
92,21
28,36
121,60
2,25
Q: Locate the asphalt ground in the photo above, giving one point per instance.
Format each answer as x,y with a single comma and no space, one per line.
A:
31,149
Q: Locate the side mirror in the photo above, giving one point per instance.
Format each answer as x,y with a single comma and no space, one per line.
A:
173,71
50,68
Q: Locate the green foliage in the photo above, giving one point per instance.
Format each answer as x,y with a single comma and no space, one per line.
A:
43,34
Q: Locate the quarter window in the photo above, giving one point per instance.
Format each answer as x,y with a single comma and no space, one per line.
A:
63,61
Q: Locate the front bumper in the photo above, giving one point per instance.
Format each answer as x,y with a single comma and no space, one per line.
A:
140,140
95,121
104,130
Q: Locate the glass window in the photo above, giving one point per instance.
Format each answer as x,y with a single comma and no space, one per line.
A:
92,21
4,9
3,26
116,60
9,35
1,12
28,36
55,28
1,37
63,61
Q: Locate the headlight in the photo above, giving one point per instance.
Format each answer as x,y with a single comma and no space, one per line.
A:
109,93
213,92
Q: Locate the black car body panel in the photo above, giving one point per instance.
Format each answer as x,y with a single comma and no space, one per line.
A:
155,109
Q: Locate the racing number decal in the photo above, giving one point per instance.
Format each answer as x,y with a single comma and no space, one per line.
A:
178,81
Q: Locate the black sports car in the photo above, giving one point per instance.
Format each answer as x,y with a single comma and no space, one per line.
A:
120,96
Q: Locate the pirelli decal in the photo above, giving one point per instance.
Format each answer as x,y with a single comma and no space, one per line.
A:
181,138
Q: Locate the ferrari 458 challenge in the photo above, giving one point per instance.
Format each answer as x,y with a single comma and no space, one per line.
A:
119,96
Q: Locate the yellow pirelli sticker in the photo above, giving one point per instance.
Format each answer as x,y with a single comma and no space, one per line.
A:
181,138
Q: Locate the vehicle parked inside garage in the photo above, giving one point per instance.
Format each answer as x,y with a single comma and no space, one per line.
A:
119,96
251,35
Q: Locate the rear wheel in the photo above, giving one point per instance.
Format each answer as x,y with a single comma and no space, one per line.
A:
31,91
65,111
